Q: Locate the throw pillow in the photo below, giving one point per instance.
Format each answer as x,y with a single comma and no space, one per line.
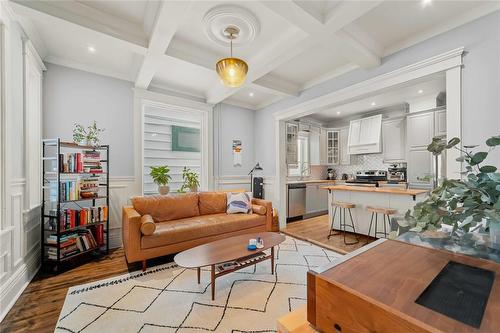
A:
148,226
239,203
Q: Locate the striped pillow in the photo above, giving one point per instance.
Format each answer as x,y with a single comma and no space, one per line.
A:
239,203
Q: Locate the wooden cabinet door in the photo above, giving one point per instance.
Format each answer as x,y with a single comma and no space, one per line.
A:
345,158
394,140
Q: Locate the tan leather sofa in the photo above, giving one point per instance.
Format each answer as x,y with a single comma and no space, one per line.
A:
185,221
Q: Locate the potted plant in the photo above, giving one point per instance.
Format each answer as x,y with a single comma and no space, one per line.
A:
161,178
461,206
191,181
88,136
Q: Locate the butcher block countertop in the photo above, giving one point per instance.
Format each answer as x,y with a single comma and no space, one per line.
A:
390,190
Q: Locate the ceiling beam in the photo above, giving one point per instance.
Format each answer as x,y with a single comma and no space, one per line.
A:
276,86
171,13
329,33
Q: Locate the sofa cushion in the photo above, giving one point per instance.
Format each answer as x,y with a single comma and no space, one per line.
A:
261,210
239,203
148,226
182,230
212,202
166,207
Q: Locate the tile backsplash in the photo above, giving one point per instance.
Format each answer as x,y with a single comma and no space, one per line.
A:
362,162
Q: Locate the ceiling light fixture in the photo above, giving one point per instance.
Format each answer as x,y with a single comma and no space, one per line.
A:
420,91
425,3
373,104
91,49
232,71
250,94
338,112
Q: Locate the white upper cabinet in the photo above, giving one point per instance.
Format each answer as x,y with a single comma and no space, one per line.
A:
420,129
292,132
394,140
314,146
322,147
332,147
345,158
440,123
365,135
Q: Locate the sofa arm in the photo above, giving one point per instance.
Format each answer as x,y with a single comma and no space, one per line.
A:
269,211
131,232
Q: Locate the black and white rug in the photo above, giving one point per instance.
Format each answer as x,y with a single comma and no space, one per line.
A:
167,298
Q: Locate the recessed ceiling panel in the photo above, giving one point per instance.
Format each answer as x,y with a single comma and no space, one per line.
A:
251,98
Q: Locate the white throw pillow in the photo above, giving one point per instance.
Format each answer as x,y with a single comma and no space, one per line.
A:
239,203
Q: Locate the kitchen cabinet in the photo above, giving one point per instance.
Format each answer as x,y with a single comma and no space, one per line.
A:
322,147
420,129
314,146
394,140
292,132
316,198
440,123
420,169
364,135
332,147
345,158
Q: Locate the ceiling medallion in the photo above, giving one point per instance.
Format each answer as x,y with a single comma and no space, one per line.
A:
217,19
232,71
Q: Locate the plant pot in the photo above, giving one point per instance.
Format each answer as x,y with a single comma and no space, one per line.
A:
194,189
163,189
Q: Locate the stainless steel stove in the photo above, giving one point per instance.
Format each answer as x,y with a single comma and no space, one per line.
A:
368,178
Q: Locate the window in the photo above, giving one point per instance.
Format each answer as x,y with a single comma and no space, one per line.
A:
302,166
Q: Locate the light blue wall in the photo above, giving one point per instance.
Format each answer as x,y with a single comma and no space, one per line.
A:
481,84
72,96
233,123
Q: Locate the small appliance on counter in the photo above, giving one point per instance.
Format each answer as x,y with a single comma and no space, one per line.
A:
368,178
397,173
330,174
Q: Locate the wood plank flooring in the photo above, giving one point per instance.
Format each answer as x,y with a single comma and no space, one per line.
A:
38,308
316,229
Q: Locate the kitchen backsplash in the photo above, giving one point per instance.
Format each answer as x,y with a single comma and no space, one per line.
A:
360,163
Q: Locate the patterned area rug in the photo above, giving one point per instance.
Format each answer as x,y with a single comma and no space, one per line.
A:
167,298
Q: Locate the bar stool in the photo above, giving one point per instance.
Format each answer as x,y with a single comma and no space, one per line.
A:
385,213
343,206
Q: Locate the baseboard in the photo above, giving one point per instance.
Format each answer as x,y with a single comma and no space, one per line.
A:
18,282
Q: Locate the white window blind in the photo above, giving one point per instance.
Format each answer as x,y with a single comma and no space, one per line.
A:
158,145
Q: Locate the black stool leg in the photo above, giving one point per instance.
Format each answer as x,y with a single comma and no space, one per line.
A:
330,234
370,229
353,229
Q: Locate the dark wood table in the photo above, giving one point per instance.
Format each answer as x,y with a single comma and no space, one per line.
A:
229,249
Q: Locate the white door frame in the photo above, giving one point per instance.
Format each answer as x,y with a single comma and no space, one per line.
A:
143,98
449,62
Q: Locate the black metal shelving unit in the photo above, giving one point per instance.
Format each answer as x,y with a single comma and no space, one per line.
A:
52,174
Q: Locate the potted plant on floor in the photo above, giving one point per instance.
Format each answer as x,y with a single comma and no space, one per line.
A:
161,178
191,181
461,207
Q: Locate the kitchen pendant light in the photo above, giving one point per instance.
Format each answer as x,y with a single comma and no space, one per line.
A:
232,71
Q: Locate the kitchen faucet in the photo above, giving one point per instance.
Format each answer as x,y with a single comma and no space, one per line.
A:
304,169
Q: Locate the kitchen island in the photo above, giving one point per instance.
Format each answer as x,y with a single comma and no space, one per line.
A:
363,196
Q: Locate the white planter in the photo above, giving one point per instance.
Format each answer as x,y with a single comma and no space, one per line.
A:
163,189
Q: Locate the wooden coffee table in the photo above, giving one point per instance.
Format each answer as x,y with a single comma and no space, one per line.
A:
229,249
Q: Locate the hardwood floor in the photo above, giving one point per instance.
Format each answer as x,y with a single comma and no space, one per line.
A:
38,308
316,229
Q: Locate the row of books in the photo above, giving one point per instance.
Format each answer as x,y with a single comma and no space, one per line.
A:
87,161
79,189
73,243
71,218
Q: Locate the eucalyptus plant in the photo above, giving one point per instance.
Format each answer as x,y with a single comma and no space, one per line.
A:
89,135
464,204
190,180
160,175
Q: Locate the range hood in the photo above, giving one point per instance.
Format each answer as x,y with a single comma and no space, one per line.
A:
365,135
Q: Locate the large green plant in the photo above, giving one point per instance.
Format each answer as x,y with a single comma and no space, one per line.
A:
464,203
190,179
160,175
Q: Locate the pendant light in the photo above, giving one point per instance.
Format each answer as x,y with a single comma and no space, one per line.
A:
232,71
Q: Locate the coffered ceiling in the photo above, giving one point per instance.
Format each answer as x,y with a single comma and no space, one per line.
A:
291,45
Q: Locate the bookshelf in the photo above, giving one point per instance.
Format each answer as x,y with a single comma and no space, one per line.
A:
75,202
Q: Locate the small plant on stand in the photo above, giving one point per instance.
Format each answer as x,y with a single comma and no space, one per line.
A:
87,136
191,181
161,178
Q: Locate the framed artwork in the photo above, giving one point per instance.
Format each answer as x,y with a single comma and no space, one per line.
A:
185,139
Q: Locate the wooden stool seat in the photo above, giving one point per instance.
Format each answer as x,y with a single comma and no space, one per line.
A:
343,204
382,210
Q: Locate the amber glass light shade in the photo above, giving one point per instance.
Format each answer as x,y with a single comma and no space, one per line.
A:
232,71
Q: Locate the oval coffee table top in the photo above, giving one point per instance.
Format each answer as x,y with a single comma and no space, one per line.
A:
225,250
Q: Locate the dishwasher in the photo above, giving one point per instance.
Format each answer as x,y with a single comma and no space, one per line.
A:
296,202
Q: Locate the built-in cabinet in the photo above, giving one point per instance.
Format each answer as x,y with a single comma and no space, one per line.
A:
345,158
292,132
394,140
316,198
365,135
332,147
317,146
440,123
